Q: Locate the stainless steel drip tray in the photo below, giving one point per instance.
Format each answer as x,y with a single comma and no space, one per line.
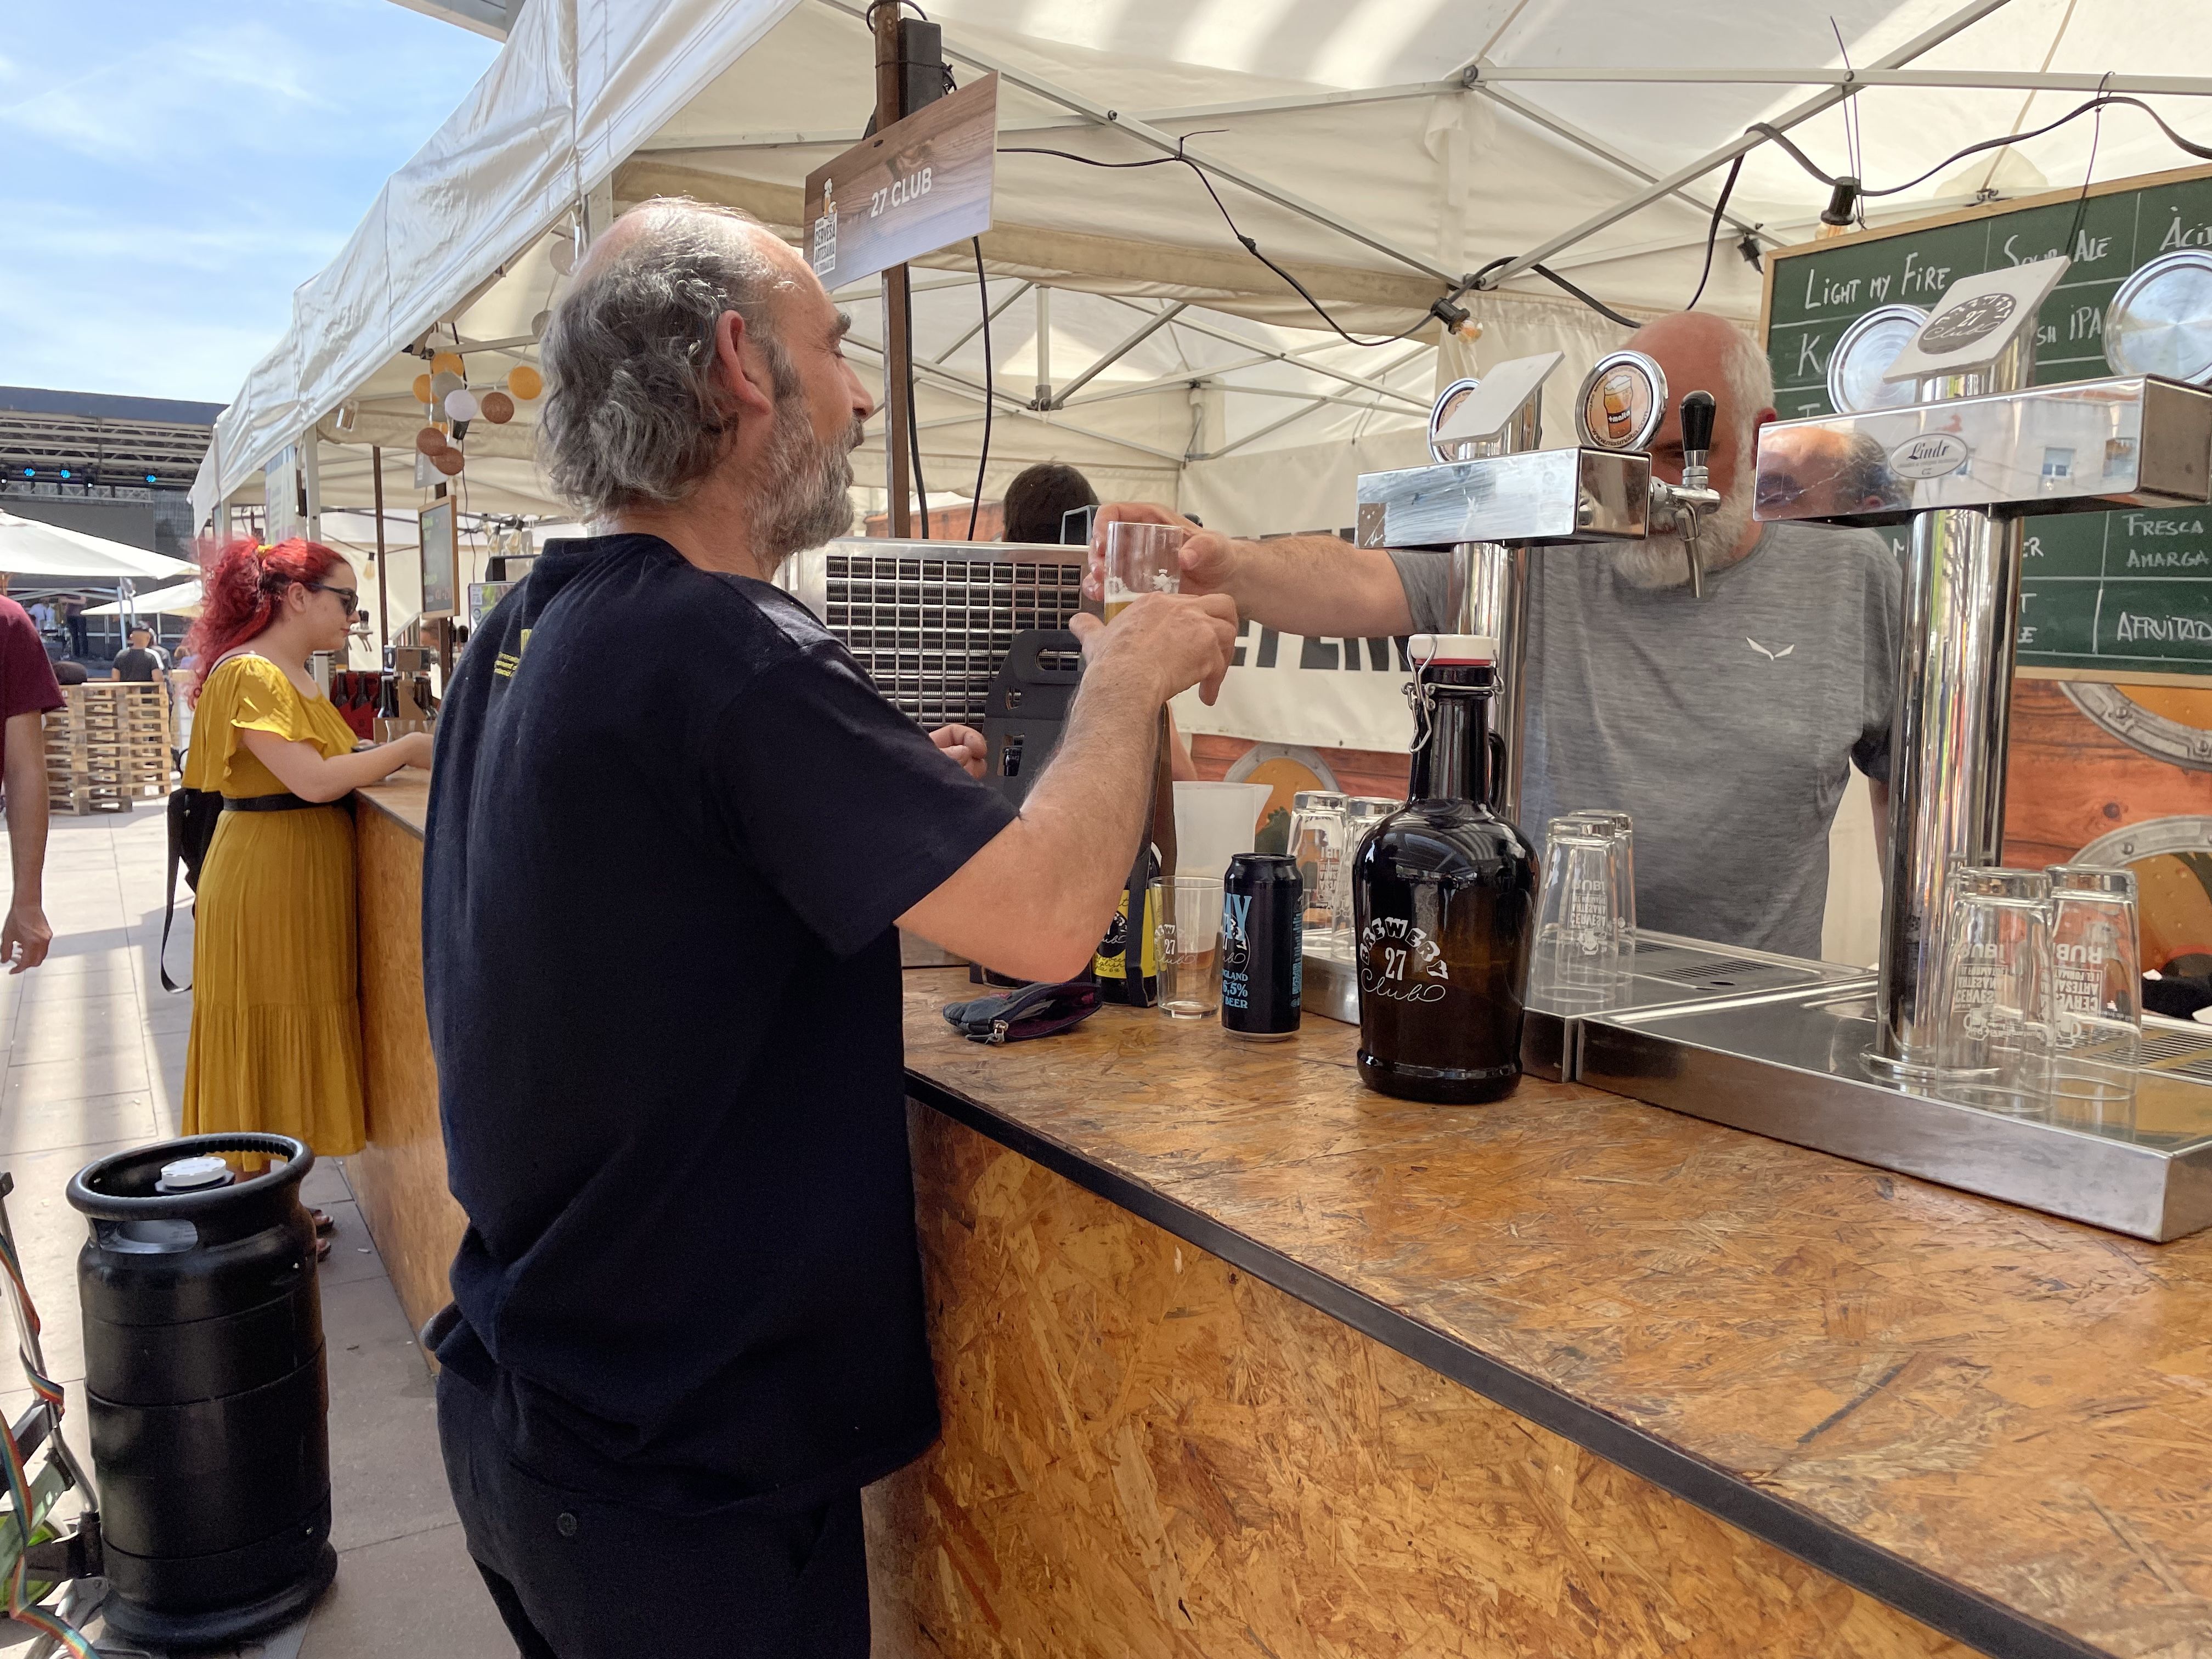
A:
1790,1065
1671,971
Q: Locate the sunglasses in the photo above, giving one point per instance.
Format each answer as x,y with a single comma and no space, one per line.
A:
348,597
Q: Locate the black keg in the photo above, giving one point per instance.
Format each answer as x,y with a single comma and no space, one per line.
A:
204,1382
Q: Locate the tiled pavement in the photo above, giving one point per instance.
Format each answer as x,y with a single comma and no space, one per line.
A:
94,1062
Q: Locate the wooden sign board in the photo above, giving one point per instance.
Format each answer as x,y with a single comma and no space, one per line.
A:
2122,596
920,185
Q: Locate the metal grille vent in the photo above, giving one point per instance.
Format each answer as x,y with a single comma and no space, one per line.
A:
1707,970
930,632
2177,1053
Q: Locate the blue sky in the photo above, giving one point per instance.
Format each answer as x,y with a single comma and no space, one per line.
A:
174,168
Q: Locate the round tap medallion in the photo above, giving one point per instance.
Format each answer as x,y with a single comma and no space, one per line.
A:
1622,402
1968,323
1447,403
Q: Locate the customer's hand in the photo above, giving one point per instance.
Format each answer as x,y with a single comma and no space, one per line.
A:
964,745
1209,558
1183,639
24,938
411,748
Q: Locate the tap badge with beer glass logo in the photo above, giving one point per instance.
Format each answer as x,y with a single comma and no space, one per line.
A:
1622,403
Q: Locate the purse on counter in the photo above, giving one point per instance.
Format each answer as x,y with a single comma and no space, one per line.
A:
1034,1011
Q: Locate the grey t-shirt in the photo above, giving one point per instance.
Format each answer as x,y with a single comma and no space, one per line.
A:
1725,726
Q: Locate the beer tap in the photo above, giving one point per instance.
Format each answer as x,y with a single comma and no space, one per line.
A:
1693,500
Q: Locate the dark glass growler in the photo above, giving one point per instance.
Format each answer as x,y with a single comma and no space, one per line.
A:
1444,905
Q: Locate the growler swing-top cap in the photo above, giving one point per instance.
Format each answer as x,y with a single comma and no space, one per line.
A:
1452,650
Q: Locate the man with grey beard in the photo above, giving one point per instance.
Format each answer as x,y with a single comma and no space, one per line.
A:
671,828
1725,726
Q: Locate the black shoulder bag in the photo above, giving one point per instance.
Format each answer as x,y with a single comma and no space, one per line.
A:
193,816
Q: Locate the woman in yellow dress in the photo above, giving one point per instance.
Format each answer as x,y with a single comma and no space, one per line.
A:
276,1040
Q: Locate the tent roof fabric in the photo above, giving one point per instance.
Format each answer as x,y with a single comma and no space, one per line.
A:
1381,149
28,548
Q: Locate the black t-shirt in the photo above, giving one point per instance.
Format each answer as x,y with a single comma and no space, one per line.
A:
670,826
137,663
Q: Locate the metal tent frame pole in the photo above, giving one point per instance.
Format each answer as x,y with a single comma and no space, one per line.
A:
1926,41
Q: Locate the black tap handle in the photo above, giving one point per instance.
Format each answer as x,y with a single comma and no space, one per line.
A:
1697,420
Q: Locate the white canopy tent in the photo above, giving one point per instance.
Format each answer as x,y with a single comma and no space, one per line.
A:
1381,150
28,548
182,600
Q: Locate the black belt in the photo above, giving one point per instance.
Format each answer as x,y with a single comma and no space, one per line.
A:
277,803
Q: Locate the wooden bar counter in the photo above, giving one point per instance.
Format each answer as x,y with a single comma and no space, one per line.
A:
1238,1358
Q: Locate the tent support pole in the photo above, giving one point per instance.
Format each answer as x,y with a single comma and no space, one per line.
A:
1537,115
383,582
1965,18
975,328
1116,352
898,356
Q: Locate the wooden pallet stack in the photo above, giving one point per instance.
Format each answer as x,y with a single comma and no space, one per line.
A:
108,747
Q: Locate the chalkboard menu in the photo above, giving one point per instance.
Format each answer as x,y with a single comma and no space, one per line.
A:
2105,596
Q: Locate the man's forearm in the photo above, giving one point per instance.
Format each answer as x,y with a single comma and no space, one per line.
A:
1320,587
1089,808
26,780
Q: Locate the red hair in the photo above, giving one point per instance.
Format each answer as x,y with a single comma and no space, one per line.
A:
242,584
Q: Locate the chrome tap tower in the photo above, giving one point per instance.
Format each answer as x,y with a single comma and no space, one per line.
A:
1493,496
1976,451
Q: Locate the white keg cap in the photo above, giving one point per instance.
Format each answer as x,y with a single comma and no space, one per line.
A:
1440,650
190,1174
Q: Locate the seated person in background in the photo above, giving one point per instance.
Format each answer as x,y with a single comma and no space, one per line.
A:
138,660
1727,726
1040,497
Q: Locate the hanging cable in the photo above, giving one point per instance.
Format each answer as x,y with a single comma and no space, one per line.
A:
1775,135
1589,299
1244,241
913,417
2081,203
1713,231
990,391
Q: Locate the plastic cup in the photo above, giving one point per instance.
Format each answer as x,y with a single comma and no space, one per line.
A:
1215,822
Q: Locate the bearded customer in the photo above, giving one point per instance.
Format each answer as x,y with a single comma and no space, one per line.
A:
664,981
1726,725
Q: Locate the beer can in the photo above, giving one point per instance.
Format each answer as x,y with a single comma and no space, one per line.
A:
1262,946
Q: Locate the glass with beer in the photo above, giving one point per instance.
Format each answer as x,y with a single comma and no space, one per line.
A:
1141,558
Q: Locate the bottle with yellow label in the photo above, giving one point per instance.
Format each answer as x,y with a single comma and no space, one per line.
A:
1110,965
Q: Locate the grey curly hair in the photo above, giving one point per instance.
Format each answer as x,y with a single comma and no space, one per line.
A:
632,414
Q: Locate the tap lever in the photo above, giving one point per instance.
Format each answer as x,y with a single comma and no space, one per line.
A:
1697,412
1697,415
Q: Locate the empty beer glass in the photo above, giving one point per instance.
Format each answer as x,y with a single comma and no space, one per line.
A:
1618,828
1319,832
1995,1042
1140,558
1361,814
1576,961
1188,933
2096,986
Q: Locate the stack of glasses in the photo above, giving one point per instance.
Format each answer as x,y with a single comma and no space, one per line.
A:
1585,947
2041,999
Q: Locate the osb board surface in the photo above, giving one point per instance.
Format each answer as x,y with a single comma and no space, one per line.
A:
1149,1453
399,1177
2015,1403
